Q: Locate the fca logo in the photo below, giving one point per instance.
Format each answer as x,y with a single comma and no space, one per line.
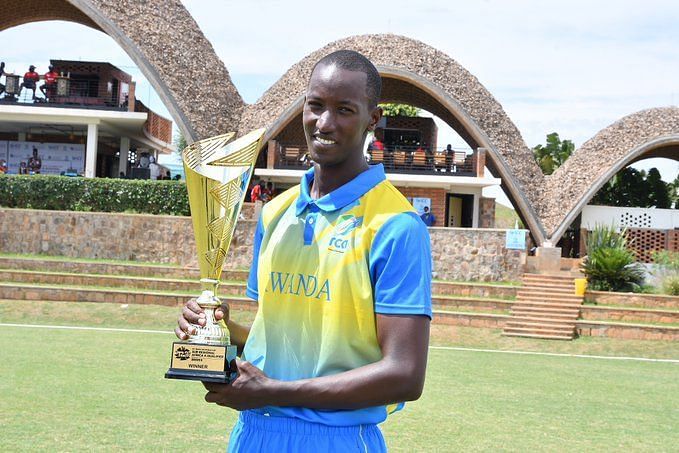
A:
339,244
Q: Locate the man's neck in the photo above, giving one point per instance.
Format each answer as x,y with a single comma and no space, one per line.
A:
327,179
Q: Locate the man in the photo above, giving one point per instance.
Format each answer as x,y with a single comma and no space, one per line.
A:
341,274
2,72
49,88
450,154
30,80
34,163
427,217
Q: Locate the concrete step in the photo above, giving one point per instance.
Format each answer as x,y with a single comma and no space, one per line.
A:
568,290
65,264
113,281
542,303
570,316
546,318
548,296
548,277
537,330
66,293
538,324
537,336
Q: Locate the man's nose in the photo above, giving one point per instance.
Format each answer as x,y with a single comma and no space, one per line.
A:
326,121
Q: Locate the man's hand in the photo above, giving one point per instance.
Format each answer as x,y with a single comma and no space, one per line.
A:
192,313
251,389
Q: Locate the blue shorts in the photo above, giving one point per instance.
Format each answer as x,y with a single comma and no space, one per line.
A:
260,433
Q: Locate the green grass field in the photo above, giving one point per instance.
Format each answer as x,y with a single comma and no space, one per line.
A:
82,390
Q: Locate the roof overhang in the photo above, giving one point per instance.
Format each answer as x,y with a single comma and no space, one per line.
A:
110,122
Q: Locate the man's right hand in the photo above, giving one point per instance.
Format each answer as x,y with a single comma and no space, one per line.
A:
193,314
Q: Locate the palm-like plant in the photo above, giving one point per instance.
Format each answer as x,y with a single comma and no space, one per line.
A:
609,265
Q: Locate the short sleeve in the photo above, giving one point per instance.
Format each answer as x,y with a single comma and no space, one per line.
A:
400,267
252,286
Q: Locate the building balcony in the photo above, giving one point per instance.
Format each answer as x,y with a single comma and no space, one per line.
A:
403,159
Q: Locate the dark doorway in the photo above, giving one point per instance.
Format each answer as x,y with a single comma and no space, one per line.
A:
459,210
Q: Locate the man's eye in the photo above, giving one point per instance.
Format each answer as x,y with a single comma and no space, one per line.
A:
345,110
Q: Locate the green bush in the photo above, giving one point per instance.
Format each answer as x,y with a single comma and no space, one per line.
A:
667,271
670,285
97,194
609,265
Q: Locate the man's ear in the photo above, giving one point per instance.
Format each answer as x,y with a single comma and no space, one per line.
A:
375,117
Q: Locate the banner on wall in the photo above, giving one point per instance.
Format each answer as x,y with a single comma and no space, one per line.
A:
420,203
3,150
57,158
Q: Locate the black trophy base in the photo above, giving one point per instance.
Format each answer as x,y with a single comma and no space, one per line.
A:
202,362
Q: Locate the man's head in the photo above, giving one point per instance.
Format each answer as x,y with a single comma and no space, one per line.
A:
341,107
426,209
35,152
51,68
31,68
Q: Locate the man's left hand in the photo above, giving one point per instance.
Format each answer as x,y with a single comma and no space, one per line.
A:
249,390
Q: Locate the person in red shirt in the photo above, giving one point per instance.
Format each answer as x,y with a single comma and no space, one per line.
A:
49,88
257,192
30,80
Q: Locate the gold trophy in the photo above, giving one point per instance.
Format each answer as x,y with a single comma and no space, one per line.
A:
218,172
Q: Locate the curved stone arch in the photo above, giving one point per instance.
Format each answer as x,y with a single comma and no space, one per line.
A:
159,36
442,78
639,135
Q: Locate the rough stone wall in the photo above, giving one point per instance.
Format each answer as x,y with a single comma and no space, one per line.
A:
486,212
458,253
159,239
475,254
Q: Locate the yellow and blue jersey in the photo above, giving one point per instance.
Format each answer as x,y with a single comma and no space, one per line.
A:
322,270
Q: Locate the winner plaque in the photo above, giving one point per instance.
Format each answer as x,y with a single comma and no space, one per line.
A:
218,172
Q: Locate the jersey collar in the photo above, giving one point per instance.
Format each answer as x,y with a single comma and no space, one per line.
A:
342,196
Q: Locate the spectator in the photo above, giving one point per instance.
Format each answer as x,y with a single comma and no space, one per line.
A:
49,88
23,169
122,175
256,195
34,163
177,177
30,80
267,195
2,72
3,167
427,217
154,168
450,153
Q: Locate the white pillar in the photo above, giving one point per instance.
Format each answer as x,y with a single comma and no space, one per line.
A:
124,150
91,150
475,212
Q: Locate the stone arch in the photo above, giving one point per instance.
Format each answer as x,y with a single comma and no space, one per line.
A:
644,134
447,89
160,36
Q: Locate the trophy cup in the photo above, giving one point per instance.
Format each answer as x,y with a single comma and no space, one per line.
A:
218,172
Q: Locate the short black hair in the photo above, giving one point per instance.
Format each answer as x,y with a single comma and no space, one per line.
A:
354,61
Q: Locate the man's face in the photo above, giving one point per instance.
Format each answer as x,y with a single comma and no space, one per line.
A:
337,115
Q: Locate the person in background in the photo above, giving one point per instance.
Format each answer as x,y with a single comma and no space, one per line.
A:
450,153
177,177
34,163
23,169
2,72
267,195
3,167
427,217
49,88
31,78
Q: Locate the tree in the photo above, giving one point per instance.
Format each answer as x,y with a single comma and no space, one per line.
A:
658,190
634,188
179,143
399,110
552,155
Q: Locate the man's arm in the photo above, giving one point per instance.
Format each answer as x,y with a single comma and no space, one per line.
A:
398,376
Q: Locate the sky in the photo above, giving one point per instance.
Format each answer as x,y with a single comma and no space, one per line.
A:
568,67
